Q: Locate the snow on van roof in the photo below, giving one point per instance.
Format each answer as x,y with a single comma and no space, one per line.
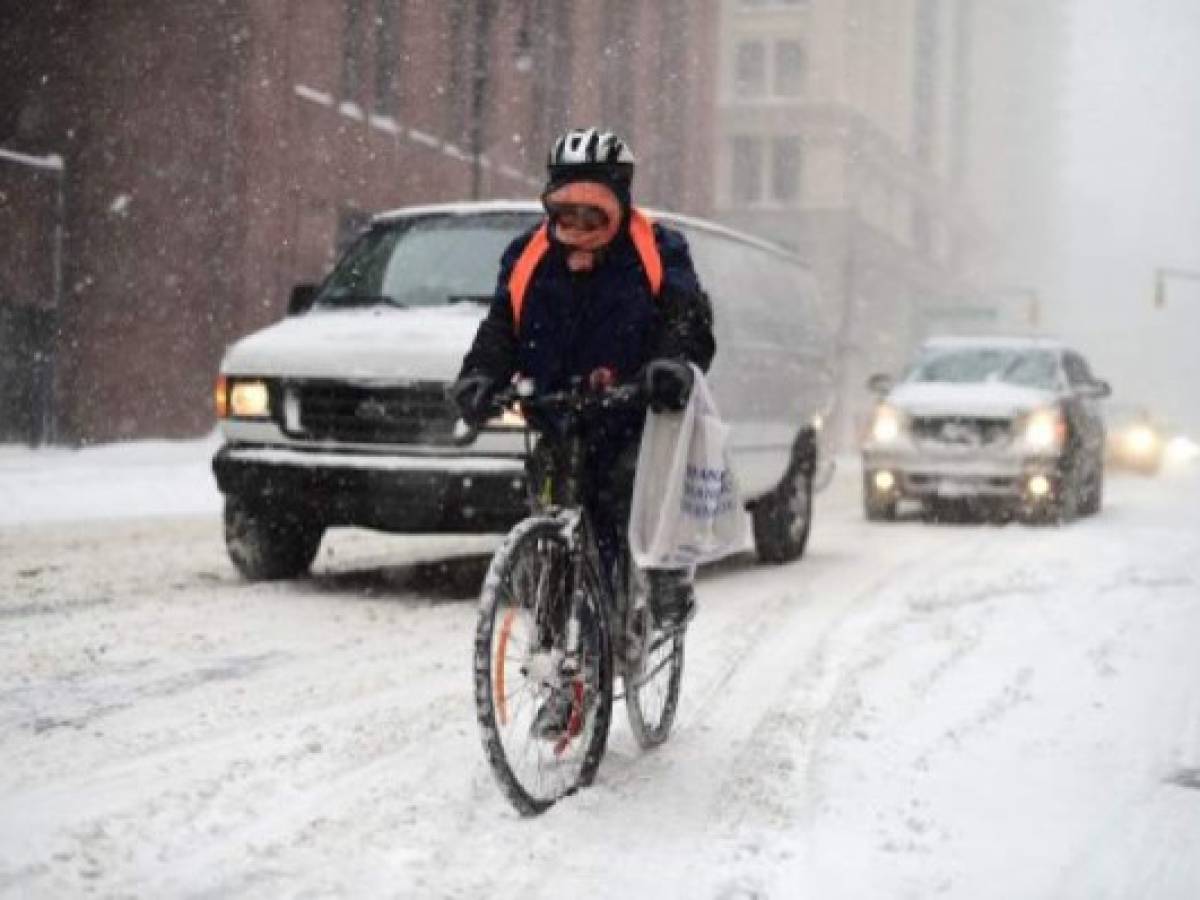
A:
473,207
459,209
999,341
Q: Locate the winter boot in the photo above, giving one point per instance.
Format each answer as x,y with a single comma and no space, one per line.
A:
672,598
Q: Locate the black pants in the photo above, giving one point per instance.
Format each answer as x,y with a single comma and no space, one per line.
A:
608,500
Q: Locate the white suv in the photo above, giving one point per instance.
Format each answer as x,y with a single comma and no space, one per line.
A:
1012,421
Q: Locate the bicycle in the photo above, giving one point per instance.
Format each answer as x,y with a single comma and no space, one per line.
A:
552,629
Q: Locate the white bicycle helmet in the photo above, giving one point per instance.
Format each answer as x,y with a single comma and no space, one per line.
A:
591,150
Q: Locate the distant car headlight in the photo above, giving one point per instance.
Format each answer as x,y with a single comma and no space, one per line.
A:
887,425
249,399
1141,440
1182,449
1044,429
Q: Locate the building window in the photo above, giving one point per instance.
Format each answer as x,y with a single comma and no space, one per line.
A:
747,170
750,69
352,50
789,68
785,169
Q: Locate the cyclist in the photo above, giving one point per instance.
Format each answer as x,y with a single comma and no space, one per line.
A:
597,292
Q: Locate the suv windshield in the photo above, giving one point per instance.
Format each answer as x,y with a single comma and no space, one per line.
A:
425,261
1028,368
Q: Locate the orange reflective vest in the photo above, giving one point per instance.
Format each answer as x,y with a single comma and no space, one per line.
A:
641,230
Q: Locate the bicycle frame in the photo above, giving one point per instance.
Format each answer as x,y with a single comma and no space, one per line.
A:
559,494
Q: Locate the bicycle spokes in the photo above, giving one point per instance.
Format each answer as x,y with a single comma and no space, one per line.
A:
543,700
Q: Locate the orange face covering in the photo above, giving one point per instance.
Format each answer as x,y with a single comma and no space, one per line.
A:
585,243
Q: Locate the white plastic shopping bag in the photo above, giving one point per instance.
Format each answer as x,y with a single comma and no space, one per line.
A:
686,506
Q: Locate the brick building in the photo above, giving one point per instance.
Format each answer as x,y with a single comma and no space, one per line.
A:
215,153
907,148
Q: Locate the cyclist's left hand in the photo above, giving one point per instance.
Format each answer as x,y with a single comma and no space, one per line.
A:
668,384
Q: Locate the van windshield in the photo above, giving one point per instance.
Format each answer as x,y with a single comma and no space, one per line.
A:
424,261
1028,368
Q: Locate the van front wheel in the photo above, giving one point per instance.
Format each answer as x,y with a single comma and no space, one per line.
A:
267,544
783,519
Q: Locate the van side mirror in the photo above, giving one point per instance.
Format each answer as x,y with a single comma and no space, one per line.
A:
880,383
301,299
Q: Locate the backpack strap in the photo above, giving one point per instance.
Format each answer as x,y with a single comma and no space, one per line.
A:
522,271
641,231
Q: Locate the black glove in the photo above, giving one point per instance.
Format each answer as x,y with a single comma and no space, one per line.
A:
668,384
473,394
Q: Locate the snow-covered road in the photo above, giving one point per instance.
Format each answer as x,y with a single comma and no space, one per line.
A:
913,710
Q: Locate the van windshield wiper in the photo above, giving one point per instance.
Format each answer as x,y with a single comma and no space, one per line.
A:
481,299
353,299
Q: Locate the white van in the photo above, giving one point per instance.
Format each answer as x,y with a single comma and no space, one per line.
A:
338,415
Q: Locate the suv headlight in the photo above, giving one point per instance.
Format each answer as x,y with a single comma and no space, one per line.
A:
1043,429
242,398
887,425
1141,440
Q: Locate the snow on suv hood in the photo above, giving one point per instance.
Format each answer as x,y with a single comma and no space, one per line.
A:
992,398
375,343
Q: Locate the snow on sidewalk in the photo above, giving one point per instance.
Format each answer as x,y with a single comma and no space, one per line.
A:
123,480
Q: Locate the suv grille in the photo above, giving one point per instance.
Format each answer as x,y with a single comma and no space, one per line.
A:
966,433
414,413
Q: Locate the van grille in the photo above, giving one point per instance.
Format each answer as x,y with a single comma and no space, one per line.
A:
963,432
414,413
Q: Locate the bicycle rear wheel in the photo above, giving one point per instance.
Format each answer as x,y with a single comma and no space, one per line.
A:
519,669
653,673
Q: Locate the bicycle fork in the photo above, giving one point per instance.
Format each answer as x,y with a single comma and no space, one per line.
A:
576,590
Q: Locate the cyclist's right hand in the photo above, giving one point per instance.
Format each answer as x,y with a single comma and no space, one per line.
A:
474,396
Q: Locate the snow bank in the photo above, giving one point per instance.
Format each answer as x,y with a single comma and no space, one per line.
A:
110,481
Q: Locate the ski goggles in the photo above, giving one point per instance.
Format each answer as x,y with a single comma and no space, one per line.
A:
577,216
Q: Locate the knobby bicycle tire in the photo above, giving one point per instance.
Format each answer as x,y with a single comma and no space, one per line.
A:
509,646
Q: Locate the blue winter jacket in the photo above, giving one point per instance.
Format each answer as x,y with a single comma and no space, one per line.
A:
574,323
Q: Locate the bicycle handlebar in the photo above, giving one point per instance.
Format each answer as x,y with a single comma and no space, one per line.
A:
578,400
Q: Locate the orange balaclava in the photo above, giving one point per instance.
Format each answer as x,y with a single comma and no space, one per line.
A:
584,245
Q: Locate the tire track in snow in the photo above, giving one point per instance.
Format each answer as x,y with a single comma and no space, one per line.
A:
818,702
714,755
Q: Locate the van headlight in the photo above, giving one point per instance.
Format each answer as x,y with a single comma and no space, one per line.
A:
887,425
246,398
510,420
1043,429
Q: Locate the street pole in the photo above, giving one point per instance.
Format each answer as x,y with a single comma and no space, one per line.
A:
843,431
479,85
45,418
50,422
1162,273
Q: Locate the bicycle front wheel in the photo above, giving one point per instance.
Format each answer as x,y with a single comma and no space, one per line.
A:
544,714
